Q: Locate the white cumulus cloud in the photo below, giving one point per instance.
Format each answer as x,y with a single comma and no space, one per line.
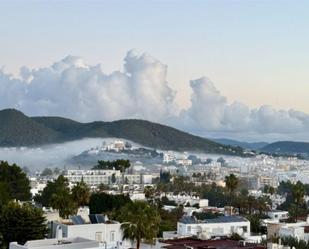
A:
210,112
75,89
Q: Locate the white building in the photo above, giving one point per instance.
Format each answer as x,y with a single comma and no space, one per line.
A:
220,226
108,232
278,214
295,232
298,230
168,157
185,199
117,145
92,177
97,177
184,162
68,243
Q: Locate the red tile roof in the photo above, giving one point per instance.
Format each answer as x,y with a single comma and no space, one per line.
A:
187,243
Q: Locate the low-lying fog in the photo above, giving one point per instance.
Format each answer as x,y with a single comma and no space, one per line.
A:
55,155
59,155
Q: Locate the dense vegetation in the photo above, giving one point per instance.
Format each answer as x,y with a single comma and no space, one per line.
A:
295,243
21,223
295,199
16,129
58,195
18,222
104,203
119,164
14,183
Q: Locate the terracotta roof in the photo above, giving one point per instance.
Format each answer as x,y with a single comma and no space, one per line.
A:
186,243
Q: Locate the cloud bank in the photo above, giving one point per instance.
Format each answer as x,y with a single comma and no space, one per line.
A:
74,89
210,111
56,155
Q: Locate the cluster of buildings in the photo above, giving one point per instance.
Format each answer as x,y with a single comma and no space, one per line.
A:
88,231
116,146
171,158
107,177
257,171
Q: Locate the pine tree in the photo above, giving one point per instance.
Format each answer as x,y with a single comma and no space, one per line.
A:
21,222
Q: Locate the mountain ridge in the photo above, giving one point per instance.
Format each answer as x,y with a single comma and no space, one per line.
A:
17,129
287,147
245,145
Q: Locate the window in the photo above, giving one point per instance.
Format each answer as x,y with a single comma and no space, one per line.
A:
217,230
112,236
98,236
189,229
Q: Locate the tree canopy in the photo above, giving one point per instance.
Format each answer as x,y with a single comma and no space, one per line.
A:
231,182
81,193
14,183
21,222
120,164
58,195
140,221
61,184
101,202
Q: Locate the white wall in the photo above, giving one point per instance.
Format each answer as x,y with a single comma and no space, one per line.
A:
102,232
214,229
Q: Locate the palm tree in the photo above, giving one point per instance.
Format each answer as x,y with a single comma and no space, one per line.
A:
140,221
231,182
263,204
255,223
64,203
81,193
251,204
298,192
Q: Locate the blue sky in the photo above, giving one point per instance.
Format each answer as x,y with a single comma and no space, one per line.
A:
255,52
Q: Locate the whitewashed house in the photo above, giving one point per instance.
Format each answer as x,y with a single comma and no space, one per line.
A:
208,228
107,232
68,243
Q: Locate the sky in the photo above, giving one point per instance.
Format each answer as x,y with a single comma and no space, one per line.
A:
236,69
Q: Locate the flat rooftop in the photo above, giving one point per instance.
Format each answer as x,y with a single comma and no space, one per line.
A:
74,243
220,219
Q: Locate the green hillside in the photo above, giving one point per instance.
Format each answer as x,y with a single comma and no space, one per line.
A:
16,129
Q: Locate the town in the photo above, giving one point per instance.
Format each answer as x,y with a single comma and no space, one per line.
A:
192,200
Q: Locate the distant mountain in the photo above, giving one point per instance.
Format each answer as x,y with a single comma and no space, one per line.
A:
245,145
16,129
286,147
280,147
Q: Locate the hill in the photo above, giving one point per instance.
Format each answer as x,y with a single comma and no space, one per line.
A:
245,145
286,147
17,129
